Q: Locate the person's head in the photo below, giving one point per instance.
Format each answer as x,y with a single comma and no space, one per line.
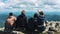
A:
10,14
23,12
35,15
41,13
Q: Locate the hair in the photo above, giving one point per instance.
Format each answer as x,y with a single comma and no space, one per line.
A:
41,13
10,14
23,13
35,15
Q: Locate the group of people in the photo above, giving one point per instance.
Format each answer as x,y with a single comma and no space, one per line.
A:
21,23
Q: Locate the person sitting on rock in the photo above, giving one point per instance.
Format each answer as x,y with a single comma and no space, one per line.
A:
10,22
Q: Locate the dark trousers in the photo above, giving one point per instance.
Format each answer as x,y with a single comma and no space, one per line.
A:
20,28
8,27
29,29
41,29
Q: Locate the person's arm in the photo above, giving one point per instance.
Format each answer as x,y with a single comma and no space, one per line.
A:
15,18
26,21
46,22
14,25
6,25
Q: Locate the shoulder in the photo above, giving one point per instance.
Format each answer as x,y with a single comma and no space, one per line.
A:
25,17
41,16
18,16
13,16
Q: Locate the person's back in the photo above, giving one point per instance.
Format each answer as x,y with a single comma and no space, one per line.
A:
21,21
30,22
35,20
30,25
41,21
10,22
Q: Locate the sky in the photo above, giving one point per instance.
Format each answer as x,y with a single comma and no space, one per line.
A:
30,5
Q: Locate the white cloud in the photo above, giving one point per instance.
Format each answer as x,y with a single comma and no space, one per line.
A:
2,4
22,5
48,5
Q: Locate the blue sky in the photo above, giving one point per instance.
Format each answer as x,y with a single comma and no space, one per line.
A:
30,5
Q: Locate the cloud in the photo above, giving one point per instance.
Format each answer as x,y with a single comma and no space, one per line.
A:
45,5
2,4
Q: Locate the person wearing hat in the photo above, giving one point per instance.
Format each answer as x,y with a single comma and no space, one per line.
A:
41,21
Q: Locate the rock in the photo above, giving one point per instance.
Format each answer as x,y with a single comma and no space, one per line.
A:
50,32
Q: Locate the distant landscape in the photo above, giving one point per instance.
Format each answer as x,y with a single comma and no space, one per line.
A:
49,16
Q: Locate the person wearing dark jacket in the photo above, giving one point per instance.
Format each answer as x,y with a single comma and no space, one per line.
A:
21,21
41,21
35,22
30,25
35,18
